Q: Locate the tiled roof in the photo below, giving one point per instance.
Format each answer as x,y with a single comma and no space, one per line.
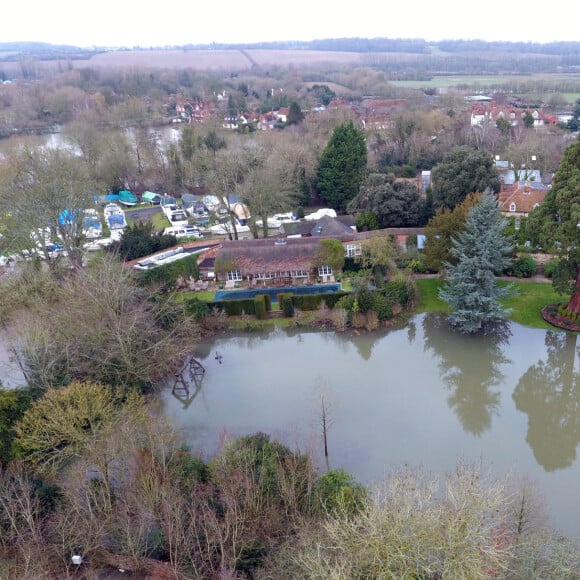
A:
525,195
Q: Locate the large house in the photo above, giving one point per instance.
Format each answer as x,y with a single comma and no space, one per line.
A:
521,197
272,261
483,113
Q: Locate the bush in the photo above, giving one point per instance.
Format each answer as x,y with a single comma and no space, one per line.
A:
337,491
382,306
260,306
364,297
400,291
235,307
196,308
285,304
550,267
523,267
268,302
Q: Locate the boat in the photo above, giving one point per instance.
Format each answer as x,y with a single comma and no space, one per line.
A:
92,226
176,216
115,217
276,220
127,198
226,228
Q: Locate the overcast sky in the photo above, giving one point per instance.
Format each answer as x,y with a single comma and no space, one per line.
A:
175,22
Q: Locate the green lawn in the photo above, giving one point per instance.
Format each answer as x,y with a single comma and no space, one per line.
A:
526,303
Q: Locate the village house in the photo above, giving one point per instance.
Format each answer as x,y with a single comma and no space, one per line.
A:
521,197
278,261
483,113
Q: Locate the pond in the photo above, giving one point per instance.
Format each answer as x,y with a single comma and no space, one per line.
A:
421,395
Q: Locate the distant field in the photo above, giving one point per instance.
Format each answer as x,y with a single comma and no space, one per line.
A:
552,82
219,59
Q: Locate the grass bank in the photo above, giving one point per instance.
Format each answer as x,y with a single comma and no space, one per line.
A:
525,303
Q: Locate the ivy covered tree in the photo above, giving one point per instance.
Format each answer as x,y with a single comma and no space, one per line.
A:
395,203
342,166
442,228
481,250
463,170
555,225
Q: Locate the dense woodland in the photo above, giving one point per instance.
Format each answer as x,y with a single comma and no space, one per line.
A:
90,468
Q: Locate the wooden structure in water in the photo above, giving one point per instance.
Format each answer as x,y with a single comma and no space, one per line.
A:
190,373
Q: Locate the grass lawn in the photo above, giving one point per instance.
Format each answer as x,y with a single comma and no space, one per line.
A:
526,303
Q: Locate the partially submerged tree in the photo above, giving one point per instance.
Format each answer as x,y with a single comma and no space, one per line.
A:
555,224
481,250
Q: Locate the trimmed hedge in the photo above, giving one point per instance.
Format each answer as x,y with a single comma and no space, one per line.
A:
285,303
235,307
260,306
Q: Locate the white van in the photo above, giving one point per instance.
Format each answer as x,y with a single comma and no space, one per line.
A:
183,232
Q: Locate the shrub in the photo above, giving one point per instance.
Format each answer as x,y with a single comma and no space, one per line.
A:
196,308
285,303
364,297
268,302
337,491
523,267
382,306
401,291
260,306
550,267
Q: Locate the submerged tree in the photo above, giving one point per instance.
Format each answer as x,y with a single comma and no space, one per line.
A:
481,251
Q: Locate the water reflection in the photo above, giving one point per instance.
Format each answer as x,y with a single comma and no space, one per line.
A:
470,366
549,393
420,395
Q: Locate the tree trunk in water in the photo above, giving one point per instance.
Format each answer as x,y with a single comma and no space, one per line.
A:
574,304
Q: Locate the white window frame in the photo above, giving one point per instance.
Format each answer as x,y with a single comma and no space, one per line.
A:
235,276
265,276
299,274
512,206
324,271
352,250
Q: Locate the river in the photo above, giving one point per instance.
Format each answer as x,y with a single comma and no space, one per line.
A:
421,395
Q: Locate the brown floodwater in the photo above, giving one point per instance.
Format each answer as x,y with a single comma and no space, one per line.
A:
421,395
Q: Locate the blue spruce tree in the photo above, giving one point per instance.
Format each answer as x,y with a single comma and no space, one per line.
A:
482,251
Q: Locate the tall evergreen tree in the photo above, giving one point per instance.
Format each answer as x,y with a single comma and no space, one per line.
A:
481,250
342,165
555,224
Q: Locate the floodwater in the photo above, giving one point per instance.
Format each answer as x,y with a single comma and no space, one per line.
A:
421,395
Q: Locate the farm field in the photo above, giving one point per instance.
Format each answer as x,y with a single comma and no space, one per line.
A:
550,82
219,59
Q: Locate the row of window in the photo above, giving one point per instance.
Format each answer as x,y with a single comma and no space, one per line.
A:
236,275
351,250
